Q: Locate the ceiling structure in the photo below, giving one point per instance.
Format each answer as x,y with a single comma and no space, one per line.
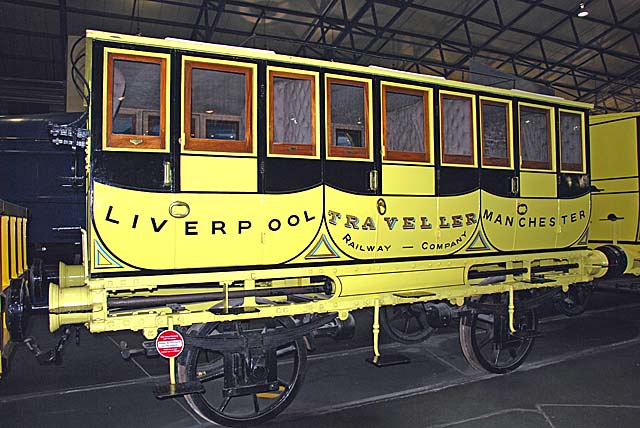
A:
595,59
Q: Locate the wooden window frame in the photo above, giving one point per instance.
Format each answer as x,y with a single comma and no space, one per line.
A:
124,141
538,165
210,144
491,161
348,152
399,155
291,148
572,167
468,160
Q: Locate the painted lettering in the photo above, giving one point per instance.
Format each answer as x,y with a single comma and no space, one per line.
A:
293,220
424,223
333,217
108,218
274,224
368,224
157,228
352,222
217,225
391,222
190,227
409,223
243,225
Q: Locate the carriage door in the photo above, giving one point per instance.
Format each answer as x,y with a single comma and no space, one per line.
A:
350,172
573,179
498,176
291,168
131,160
537,209
458,180
218,209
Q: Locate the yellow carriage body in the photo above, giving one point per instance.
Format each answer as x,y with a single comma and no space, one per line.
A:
614,174
13,262
173,213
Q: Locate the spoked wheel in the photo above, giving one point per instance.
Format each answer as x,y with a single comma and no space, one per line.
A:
575,300
256,385
407,323
487,343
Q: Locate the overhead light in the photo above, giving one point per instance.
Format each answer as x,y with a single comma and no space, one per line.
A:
209,111
582,12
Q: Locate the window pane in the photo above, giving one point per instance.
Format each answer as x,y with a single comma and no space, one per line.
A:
152,125
291,111
218,98
456,130
495,139
571,140
534,138
404,122
347,115
124,124
136,89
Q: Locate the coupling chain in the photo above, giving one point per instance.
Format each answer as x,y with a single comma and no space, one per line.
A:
54,355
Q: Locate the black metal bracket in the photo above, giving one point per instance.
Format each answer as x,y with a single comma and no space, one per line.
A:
232,342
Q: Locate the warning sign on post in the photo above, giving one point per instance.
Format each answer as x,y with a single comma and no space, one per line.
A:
169,344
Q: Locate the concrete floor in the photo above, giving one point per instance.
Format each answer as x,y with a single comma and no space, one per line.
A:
584,372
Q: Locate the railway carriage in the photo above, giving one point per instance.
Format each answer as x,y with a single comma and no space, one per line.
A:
13,267
251,200
615,186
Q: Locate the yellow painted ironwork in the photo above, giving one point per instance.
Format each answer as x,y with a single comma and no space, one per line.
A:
376,330
511,310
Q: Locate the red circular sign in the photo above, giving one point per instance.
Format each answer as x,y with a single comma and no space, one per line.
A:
169,344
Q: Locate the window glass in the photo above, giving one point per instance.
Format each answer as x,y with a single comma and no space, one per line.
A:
571,141
535,144
124,124
292,126
136,88
404,126
495,134
219,108
457,139
348,119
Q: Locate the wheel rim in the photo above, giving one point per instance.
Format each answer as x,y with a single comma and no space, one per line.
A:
250,408
575,300
488,345
407,323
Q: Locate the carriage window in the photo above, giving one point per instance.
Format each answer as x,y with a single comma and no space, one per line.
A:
136,88
292,113
456,129
535,138
571,141
495,133
348,118
218,105
405,125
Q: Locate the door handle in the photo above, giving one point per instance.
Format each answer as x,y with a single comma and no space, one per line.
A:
373,180
179,209
167,174
515,185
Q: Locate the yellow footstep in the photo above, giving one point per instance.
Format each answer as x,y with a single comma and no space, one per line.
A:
271,394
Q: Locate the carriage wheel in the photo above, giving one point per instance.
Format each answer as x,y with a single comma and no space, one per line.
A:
247,405
488,345
575,300
407,323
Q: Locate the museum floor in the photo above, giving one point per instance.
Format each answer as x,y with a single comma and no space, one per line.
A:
583,372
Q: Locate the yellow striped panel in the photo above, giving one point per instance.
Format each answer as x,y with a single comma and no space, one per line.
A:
4,250
13,260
